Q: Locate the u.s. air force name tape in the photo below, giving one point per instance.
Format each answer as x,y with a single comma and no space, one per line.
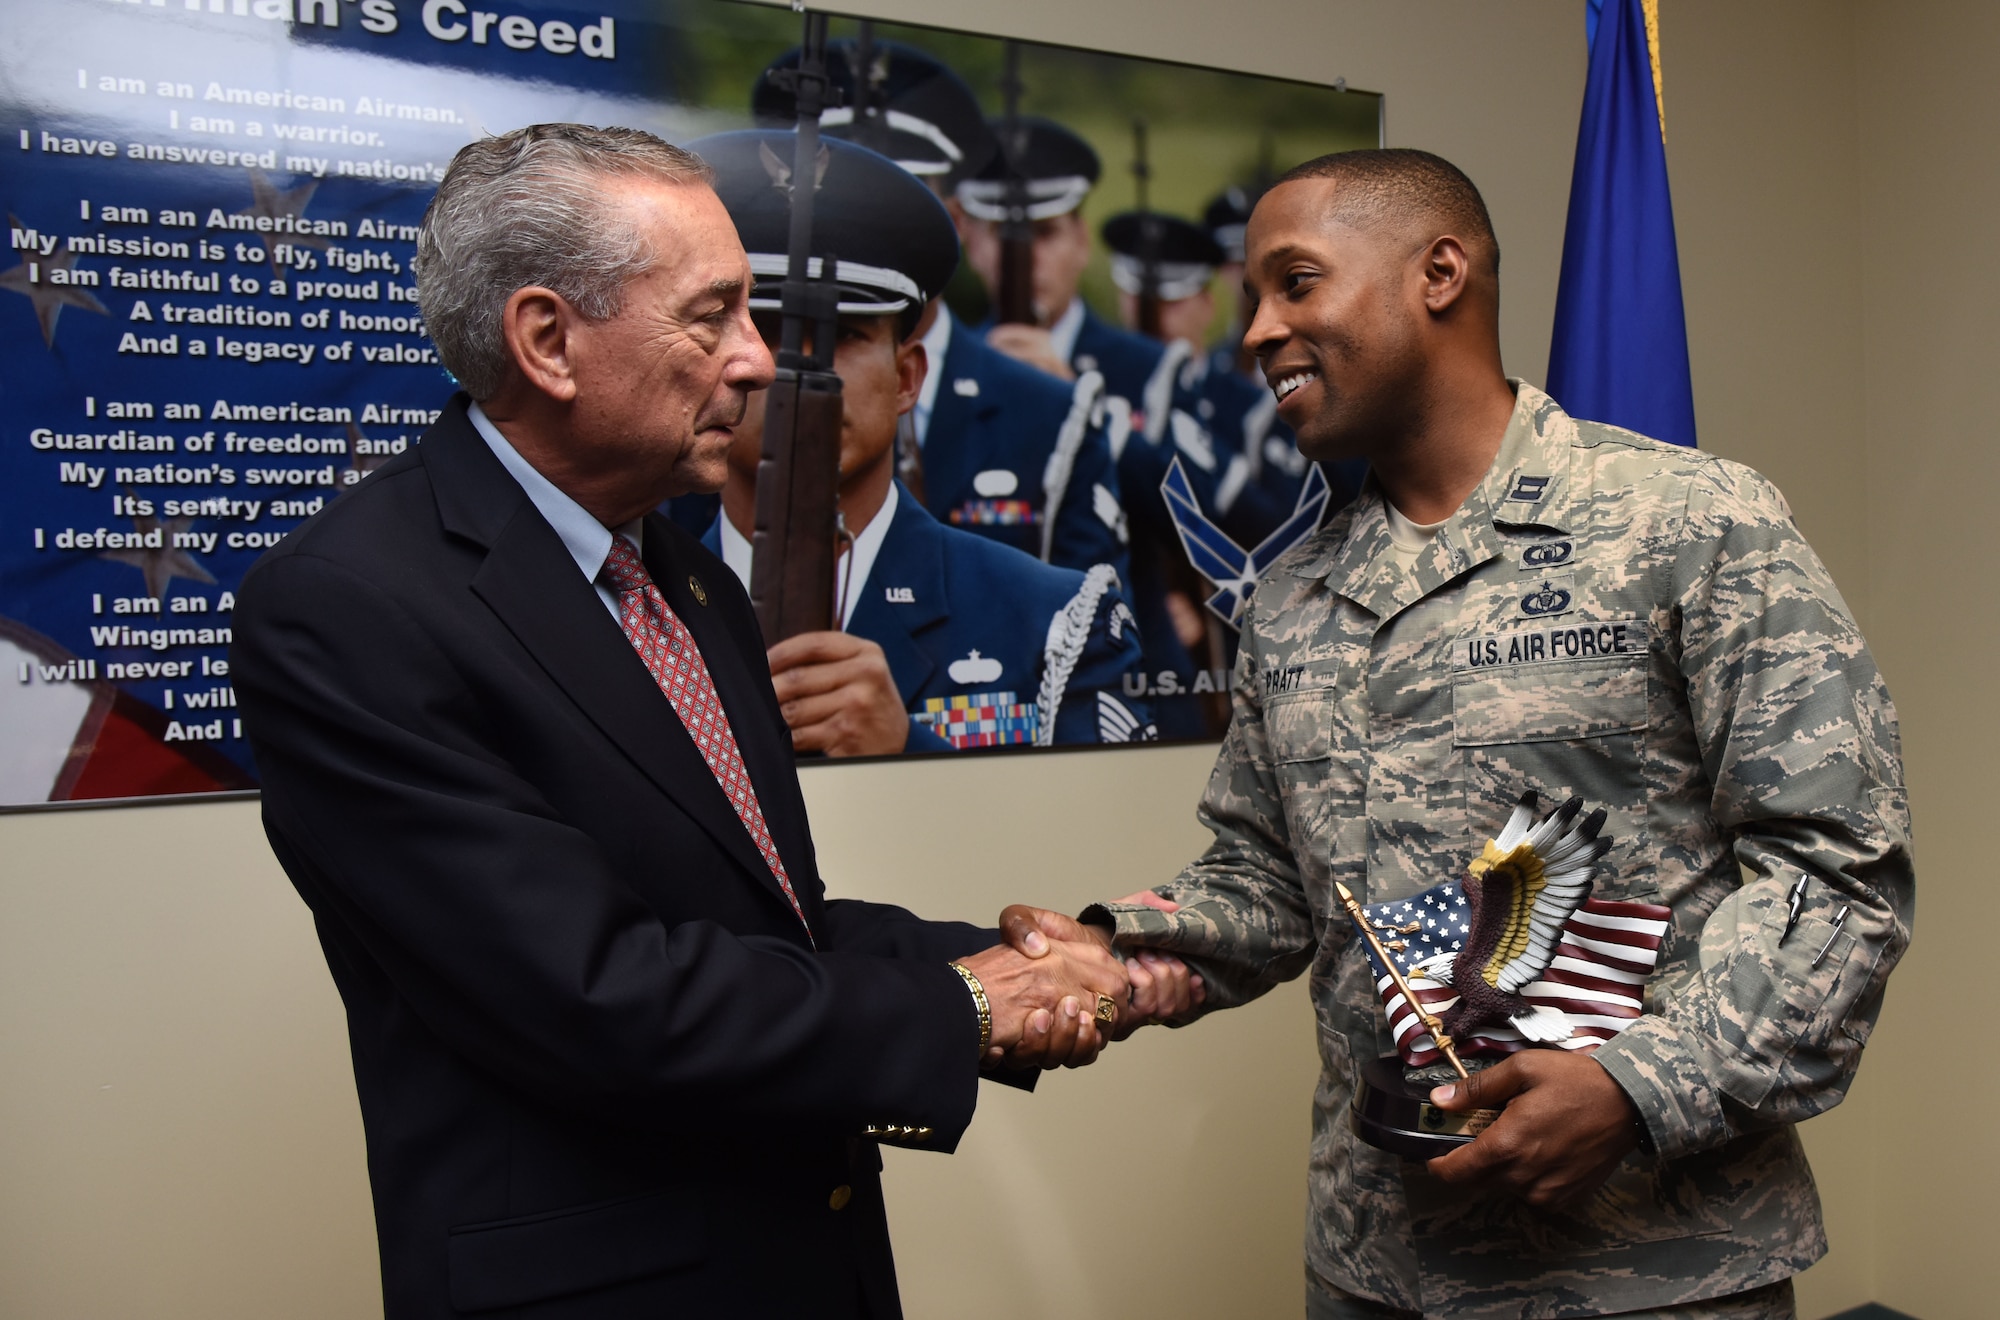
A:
1574,639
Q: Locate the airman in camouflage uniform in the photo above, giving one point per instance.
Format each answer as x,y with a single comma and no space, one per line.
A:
1642,626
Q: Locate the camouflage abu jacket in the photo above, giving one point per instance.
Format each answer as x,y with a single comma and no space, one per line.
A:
1643,626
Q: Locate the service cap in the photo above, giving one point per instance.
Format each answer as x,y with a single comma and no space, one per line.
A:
1186,255
1227,217
1060,169
930,122
892,239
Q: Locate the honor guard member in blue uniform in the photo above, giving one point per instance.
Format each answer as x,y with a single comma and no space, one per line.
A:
1068,338
1226,218
991,446
1141,375
1252,497
948,640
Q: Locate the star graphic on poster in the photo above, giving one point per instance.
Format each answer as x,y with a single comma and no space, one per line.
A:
273,203
49,299
163,565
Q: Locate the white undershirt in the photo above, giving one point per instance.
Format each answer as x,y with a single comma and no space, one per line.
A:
1409,539
736,554
1062,335
936,341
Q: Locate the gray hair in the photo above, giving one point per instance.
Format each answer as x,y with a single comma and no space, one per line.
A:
525,208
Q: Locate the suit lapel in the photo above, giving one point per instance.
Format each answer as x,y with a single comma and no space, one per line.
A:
742,681
793,844
530,582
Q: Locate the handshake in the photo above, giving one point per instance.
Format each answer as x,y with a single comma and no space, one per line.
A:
1058,994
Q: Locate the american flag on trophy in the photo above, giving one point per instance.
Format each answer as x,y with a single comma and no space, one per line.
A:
1562,968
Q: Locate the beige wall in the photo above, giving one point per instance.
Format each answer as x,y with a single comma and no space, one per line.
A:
1930,317
178,1135
1761,154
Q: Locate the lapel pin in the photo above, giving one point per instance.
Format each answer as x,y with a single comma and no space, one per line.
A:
694,585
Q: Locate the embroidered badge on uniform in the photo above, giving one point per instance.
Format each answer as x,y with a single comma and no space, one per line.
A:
1117,724
974,668
1550,596
980,719
1528,488
996,513
1546,554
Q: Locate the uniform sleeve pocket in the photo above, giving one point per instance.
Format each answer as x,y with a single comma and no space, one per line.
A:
511,1262
1550,702
1299,726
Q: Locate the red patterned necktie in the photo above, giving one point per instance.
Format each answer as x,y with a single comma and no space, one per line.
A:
668,651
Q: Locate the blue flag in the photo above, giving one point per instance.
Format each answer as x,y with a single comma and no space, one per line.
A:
1619,352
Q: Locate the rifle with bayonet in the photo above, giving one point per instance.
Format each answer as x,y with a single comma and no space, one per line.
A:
793,549
1149,236
1014,300
871,129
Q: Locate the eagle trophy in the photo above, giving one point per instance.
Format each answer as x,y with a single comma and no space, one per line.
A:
1519,891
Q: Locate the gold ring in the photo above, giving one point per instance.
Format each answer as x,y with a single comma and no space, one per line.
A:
1107,1009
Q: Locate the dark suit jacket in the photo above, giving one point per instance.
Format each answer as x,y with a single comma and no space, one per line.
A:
602,1069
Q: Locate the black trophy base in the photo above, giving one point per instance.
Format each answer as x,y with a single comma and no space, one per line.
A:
1394,1114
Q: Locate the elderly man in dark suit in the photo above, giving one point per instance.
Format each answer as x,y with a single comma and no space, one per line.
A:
617,1054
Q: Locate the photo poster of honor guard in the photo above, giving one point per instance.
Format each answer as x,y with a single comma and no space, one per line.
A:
210,330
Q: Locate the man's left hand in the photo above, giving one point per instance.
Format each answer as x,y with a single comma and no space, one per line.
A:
1162,987
838,696
1566,1126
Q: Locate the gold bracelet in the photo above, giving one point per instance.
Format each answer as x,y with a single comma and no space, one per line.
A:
984,1005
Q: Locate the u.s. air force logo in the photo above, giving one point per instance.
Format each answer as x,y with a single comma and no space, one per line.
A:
1575,640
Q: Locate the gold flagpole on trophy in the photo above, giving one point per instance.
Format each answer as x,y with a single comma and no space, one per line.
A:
1424,1015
